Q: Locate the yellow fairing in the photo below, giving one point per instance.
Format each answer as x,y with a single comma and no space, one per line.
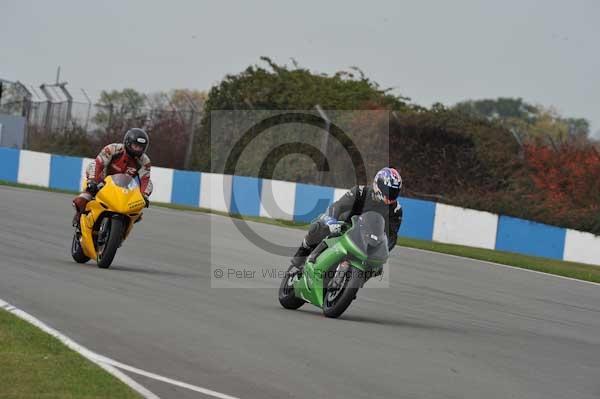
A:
112,198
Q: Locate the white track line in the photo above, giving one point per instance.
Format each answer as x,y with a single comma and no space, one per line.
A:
108,364
505,266
167,380
83,351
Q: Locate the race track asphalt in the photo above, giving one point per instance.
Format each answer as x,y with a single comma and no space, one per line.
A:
445,328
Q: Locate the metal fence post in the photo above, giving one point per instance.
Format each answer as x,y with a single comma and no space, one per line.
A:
192,133
26,112
324,143
49,108
87,118
63,87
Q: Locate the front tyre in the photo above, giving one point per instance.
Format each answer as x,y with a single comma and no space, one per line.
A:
340,290
287,298
76,250
112,235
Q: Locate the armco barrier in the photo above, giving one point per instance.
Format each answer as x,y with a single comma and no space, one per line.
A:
456,225
581,247
186,188
418,218
303,202
530,238
277,199
245,195
65,172
9,164
162,180
215,192
34,168
311,201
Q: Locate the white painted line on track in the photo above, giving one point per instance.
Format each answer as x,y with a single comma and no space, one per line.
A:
500,264
83,351
167,380
107,364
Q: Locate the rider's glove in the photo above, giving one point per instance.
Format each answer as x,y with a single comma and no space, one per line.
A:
334,225
92,187
146,200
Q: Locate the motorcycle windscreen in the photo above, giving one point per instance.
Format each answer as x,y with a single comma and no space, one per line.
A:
124,181
369,236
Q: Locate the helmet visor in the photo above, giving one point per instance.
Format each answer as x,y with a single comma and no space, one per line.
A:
389,192
138,148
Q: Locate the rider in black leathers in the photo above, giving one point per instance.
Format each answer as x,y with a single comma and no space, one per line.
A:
381,197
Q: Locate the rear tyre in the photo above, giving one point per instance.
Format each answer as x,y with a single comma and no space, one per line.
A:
76,250
287,298
107,251
337,297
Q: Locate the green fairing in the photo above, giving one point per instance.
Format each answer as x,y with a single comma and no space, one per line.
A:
310,286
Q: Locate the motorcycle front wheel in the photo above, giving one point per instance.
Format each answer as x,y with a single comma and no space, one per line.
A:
112,233
287,298
340,290
76,250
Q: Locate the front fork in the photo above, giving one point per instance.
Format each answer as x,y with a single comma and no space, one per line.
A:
103,231
340,273
367,272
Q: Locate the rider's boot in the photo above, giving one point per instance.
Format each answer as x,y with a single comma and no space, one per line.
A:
76,220
299,258
79,204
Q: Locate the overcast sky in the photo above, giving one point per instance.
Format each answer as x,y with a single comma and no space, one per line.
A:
547,52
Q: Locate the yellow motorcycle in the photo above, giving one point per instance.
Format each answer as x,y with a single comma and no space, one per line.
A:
107,220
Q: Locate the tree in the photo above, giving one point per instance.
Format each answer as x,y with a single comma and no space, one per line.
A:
12,98
278,87
451,156
548,124
566,185
117,106
500,108
526,119
181,98
577,126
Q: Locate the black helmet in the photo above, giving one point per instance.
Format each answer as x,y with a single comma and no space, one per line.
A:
136,142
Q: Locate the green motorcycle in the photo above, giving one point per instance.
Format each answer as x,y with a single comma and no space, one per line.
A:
338,267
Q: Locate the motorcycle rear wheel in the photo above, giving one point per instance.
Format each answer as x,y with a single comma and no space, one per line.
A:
106,252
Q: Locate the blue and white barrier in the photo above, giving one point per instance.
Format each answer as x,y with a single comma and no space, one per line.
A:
456,225
34,168
250,196
278,199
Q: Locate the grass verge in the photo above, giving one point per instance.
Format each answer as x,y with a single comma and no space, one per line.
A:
37,365
578,271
